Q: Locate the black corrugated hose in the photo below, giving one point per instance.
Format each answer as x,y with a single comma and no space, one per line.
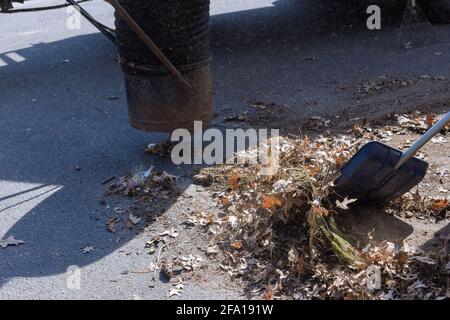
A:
180,28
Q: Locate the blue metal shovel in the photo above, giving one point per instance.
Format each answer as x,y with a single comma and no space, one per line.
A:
378,172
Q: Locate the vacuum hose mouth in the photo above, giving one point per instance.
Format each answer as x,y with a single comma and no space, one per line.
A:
180,28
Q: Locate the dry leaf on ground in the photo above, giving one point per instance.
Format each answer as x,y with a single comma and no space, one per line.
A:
10,241
344,203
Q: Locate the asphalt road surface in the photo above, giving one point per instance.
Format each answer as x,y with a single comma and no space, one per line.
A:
62,135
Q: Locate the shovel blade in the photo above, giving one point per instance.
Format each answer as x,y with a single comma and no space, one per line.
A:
371,176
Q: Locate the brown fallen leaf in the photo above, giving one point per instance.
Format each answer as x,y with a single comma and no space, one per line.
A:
270,202
209,219
429,120
268,294
358,130
237,245
129,224
167,268
225,201
340,161
312,170
439,205
297,261
111,224
234,182
321,211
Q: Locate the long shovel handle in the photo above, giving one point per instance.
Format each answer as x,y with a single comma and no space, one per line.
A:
434,130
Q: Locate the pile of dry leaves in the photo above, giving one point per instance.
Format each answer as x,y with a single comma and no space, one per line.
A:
278,232
150,184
